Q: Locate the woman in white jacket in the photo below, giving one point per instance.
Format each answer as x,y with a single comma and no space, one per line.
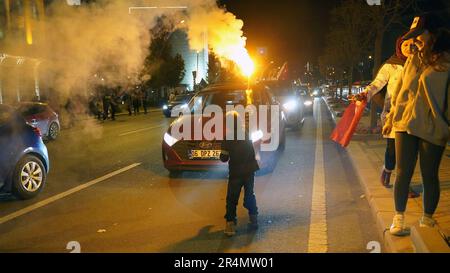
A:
388,76
420,117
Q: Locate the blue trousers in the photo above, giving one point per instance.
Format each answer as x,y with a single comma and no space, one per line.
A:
235,185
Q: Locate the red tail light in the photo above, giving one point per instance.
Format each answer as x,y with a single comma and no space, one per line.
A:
37,131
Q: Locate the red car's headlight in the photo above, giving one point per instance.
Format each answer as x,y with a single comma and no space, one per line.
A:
170,140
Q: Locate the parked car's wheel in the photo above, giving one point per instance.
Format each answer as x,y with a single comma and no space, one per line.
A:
53,131
29,177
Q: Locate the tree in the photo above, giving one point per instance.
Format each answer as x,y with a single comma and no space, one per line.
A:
161,69
214,68
358,29
352,35
175,71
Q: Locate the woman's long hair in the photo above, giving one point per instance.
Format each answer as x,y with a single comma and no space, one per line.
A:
438,54
440,51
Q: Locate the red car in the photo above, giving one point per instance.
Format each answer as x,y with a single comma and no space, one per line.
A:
41,116
179,154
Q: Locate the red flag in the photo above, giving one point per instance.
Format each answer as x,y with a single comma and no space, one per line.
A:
283,73
346,127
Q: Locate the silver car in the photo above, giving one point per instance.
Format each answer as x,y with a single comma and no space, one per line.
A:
41,116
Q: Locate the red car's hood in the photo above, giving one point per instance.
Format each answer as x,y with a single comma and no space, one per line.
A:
199,124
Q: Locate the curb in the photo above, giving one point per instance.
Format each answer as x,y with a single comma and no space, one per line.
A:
333,114
382,216
381,202
435,242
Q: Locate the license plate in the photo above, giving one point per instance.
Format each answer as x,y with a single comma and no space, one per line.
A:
204,154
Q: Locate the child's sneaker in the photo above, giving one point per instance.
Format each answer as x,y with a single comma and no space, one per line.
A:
253,222
398,227
426,221
230,228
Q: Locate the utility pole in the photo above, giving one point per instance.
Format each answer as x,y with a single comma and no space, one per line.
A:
8,15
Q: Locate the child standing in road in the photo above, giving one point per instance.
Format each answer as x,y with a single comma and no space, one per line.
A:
242,165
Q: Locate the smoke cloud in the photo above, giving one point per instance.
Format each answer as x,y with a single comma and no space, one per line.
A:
84,44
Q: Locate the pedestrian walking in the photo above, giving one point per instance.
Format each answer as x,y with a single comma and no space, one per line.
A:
128,100
387,77
136,102
172,95
145,97
108,105
98,108
419,117
242,166
113,105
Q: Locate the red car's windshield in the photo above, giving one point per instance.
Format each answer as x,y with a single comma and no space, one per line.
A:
222,98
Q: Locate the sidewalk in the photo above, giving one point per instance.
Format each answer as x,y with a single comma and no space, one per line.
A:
367,153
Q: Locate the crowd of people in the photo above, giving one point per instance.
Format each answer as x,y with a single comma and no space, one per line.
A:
106,102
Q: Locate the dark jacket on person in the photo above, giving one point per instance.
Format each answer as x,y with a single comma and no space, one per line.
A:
241,157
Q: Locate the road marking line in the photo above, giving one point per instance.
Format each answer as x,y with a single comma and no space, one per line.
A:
318,240
140,130
64,194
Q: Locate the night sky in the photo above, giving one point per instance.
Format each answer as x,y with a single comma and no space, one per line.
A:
293,31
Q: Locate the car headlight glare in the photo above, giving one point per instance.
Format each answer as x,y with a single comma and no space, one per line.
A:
170,140
308,103
290,105
256,136
165,107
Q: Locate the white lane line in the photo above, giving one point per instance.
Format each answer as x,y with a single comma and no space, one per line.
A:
140,130
318,240
64,194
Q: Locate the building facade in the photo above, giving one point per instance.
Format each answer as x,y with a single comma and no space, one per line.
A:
20,29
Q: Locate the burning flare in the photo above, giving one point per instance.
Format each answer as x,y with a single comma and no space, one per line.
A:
224,34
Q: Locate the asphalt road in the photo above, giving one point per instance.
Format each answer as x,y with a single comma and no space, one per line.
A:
311,202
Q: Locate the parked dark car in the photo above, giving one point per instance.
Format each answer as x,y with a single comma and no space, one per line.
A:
24,161
40,115
178,101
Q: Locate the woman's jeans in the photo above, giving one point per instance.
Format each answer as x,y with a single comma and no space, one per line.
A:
408,147
234,189
389,155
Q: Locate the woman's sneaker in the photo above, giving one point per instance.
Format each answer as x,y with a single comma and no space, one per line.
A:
398,227
230,228
426,221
